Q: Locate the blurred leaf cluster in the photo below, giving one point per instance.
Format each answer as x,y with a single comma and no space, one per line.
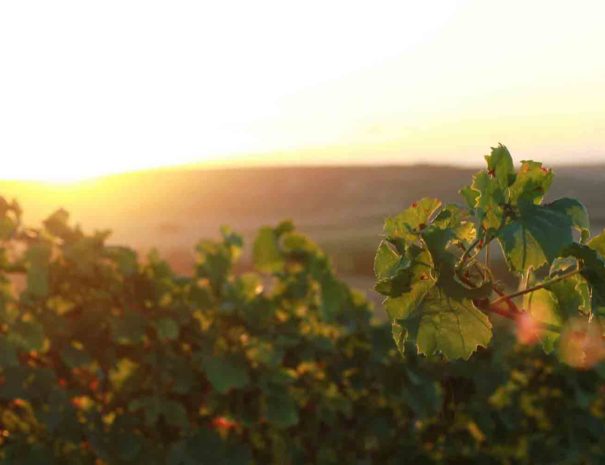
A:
109,358
433,266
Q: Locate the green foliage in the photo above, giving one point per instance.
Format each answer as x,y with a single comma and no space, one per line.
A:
108,359
433,264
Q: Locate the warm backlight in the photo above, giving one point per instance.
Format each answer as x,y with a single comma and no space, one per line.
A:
92,88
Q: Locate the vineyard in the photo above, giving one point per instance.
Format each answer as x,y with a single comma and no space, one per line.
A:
110,358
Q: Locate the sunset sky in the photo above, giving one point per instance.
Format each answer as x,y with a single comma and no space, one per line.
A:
90,88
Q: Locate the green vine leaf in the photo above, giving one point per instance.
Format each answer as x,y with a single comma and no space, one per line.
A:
576,212
267,255
489,200
411,221
536,237
448,326
455,275
545,309
593,270
598,243
531,184
500,166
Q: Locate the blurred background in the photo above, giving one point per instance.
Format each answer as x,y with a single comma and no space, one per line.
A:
163,122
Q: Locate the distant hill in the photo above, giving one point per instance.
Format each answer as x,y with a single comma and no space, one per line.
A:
342,208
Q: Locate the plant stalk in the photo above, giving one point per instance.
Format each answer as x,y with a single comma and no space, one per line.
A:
505,298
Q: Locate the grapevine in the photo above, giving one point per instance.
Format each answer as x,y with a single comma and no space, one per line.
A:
434,265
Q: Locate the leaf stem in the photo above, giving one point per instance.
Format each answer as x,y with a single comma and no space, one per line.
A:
468,251
509,302
508,297
513,313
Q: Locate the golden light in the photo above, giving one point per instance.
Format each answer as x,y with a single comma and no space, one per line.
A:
89,89
582,344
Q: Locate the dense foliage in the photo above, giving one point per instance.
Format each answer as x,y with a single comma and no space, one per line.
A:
106,358
434,267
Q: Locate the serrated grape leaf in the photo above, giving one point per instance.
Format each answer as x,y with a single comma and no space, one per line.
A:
536,237
593,270
266,254
598,243
470,196
407,224
408,277
500,166
489,188
393,272
385,261
448,326
576,212
439,244
400,335
488,204
225,373
532,182
544,307
555,305
421,280
573,292
458,221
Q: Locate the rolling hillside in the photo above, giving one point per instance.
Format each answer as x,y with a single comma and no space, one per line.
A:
340,207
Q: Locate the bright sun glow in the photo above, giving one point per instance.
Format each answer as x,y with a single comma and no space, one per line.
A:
92,88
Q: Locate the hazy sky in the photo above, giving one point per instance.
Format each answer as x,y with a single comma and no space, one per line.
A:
89,88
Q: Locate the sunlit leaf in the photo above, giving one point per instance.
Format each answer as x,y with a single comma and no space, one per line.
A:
407,224
444,325
267,256
532,182
536,237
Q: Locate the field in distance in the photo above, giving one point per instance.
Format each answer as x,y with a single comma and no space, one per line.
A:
342,208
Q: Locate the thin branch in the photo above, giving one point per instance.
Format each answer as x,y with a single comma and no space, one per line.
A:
513,315
535,288
509,302
467,252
